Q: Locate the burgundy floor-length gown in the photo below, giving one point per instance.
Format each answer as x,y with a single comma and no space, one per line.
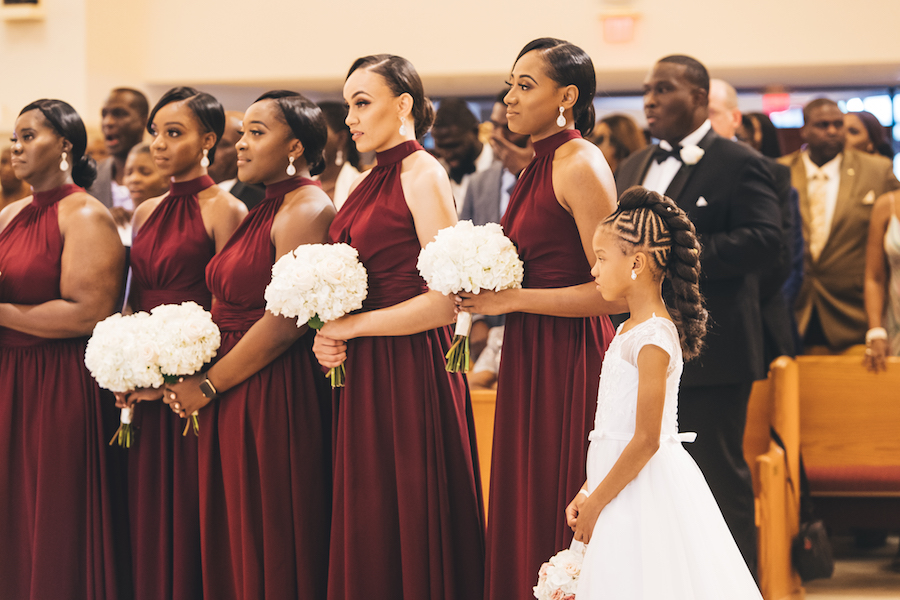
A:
265,462
55,514
546,392
407,521
169,255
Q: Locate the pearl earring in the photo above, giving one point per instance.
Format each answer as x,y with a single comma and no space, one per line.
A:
204,162
291,169
339,158
561,119
402,127
63,163
633,275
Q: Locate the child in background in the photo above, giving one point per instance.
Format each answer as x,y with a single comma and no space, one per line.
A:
143,181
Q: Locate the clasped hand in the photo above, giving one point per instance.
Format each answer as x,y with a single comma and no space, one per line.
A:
486,302
129,399
581,517
184,397
329,348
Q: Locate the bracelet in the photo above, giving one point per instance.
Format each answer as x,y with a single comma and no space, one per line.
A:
876,333
585,492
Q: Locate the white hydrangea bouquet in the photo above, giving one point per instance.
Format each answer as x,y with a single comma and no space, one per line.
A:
469,258
188,339
146,350
558,578
318,283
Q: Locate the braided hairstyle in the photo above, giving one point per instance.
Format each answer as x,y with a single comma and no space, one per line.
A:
650,222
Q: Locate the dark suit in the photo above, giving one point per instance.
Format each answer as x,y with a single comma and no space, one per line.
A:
482,202
101,189
739,226
248,193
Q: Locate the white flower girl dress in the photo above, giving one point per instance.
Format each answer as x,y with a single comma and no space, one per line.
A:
663,537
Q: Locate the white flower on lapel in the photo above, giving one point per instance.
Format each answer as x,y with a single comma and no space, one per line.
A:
691,155
701,201
869,198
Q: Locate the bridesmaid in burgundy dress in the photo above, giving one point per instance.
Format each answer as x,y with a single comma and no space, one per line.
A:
556,333
265,465
61,263
407,521
175,236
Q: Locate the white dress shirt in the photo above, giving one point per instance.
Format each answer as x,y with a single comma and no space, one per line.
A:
660,175
831,171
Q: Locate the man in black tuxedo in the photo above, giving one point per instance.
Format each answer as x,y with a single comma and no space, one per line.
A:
727,191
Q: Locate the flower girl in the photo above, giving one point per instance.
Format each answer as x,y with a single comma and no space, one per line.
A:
654,529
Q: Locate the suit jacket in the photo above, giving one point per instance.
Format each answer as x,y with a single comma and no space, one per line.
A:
833,284
101,189
778,324
482,202
249,194
738,223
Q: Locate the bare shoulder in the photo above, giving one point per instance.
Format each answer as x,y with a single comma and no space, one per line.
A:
579,155
422,174
146,208
221,201
81,213
884,204
308,201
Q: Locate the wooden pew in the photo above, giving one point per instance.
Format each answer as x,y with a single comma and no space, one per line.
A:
850,436
483,404
774,403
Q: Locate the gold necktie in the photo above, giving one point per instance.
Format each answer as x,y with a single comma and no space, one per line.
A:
818,232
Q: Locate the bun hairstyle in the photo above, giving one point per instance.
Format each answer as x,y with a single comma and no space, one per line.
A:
567,64
650,222
401,78
307,123
206,109
68,125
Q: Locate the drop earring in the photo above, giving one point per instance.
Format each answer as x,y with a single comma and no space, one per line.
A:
204,162
633,275
402,127
63,163
561,119
339,158
291,169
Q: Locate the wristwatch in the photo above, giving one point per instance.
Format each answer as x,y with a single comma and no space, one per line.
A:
208,389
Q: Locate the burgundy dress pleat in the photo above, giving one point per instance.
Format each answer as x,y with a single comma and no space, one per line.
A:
408,521
265,462
169,255
546,392
55,513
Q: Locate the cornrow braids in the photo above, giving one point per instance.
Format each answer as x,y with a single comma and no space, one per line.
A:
650,222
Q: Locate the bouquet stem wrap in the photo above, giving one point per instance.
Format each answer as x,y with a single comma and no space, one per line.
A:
125,433
459,355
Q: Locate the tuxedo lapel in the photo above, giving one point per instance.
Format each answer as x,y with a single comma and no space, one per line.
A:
684,173
849,170
644,165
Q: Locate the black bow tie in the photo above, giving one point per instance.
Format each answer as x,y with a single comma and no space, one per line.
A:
661,154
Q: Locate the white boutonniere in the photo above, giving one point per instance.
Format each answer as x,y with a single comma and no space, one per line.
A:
691,155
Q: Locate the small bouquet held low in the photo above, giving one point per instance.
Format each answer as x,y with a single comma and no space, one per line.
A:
147,350
558,578
318,283
469,258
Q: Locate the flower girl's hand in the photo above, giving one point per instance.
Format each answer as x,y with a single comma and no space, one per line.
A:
329,352
587,518
574,509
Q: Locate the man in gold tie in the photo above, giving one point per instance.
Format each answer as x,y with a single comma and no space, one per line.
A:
837,190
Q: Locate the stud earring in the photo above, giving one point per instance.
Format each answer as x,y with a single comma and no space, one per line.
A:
339,158
63,163
561,119
204,162
291,169
402,127
633,275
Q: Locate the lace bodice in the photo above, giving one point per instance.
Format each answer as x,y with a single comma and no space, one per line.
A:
617,397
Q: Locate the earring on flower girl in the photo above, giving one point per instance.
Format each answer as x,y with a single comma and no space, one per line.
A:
633,275
291,169
204,162
561,119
